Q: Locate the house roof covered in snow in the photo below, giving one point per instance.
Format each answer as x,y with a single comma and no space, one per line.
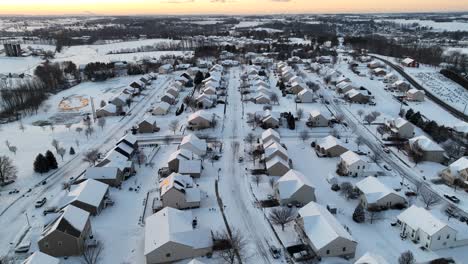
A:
459,165
373,189
98,173
291,182
162,105
320,226
398,122
407,61
317,113
371,258
425,143
197,145
41,258
177,181
350,157
275,160
329,142
74,216
173,225
90,192
190,166
275,148
270,133
200,114
353,93
420,218
414,91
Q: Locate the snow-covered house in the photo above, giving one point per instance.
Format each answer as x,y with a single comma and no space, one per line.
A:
374,64
401,86
161,108
66,234
320,230
344,87
317,119
204,101
277,166
107,110
415,95
457,170
111,176
118,160
352,164
355,96
173,91
274,150
179,191
390,78
408,62
209,90
371,258
379,72
139,84
89,195
421,226
400,128
270,119
41,258
293,188
194,144
193,168
262,98
166,69
170,236
341,79
330,146
305,96
270,134
297,87
168,98
199,120
148,125
429,150
375,194
176,157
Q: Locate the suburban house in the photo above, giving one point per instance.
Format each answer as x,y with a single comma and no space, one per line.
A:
390,78
342,79
166,69
199,120
379,72
351,164
375,194
294,187
457,170
121,100
175,158
374,64
66,235
111,176
408,62
168,98
209,90
305,96
371,258
400,128
277,166
120,161
401,86
297,87
41,258
107,110
270,119
89,195
262,98
429,150
192,168
205,101
148,125
355,96
274,150
319,229
419,225
415,95
170,236
194,144
161,108
173,91
139,84
270,134
178,191
344,87
317,119
330,146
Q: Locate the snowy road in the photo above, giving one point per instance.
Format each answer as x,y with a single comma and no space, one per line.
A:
14,215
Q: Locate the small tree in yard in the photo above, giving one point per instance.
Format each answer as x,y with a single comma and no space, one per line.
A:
237,246
102,122
89,131
250,138
274,98
174,125
72,151
257,178
272,182
55,144
282,216
346,189
51,160
61,151
40,164
91,156
406,258
79,129
359,216
428,197
92,255
369,118
8,170
304,135
359,140
360,112
299,113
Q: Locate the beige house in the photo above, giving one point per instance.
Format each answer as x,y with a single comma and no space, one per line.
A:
148,125
41,258
277,166
351,164
330,146
175,158
305,96
270,134
274,150
421,226
89,195
170,236
168,98
178,191
400,128
415,95
317,119
457,170
355,96
293,188
429,150
319,229
161,108
67,234
375,194
199,120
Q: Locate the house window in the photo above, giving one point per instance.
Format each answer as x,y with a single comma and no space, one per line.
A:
363,167
344,249
438,238
448,236
168,255
46,245
59,243
358,167
328,252
428,238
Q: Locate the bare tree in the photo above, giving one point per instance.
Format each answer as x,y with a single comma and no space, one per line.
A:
61,151
346,189
79,129
89,131
21,126
359,140
272,182
406,258
360,112
274,98
56,144
237,246
92,255
257,178
91,156
299,113
428,197
304,135
250,138
68,126
281,216
8,170
369,118
102,122
375,114
174,125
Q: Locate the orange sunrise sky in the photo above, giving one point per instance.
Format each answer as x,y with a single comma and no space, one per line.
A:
167,7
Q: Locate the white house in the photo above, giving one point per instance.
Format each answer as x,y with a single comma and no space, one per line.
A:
88,195
161,108
274,150
199,120
194,144
376,194
317,119
352,164
277,166
306,96
415,95
270,134
420,225
170,236
400,128
323,233
176,157
430,150
294,187
390,78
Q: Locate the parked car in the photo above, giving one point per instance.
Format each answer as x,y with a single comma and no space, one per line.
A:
452,198
23,247
387,167
49,210
40,203
275,252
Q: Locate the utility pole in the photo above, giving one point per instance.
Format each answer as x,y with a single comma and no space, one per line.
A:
27,219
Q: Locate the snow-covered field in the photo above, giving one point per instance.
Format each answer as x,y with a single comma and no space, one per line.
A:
437,26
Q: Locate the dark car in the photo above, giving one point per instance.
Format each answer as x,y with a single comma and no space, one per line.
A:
40,203
452,198
275,252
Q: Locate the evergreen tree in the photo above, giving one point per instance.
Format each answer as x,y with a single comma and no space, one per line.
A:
409,113
40,164
359,215
198,78
72,151
51,161
207,75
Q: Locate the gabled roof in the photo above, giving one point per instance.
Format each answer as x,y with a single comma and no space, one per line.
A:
99,173
371,258
291,182
90,192
69,216
41,258
317,113
173,225
274,148
398,122
198,144
458,166
190,166
177,181
373,189
275,160
353,93
162,105
349,157
425,143
181,154
414,91
270,133
407,61
329,142
200,114
320,226
419,218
